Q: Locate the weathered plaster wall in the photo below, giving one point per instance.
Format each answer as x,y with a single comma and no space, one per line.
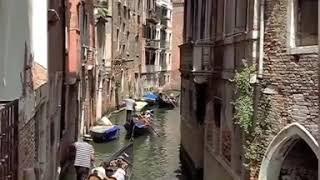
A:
214,168
15,19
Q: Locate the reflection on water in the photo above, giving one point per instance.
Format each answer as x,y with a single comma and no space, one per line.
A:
155,158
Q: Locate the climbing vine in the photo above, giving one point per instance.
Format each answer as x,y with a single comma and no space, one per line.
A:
256,130
244,101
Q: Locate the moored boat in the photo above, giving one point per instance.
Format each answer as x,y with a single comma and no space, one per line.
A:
136,129
119,162
151,98
104,133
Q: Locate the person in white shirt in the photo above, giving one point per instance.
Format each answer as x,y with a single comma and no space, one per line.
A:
83,160
130,107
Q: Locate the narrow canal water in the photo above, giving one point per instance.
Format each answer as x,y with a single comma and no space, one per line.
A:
155,157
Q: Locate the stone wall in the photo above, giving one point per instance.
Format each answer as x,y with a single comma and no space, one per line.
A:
27,146
290,81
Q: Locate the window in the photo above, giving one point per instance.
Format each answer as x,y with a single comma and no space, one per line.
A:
217,113
164,12
138,19
123,27
123,49
119,9
220,19
118,43
128,34
150,57
201,98
306,16
169,59
203,18
129,14
124,12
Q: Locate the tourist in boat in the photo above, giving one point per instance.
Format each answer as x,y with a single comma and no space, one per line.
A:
115,170
130,107
83,160
145,120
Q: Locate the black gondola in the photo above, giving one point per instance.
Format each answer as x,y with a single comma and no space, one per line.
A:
125,154
166,104
135,129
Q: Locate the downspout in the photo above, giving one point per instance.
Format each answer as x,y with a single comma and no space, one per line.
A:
261,39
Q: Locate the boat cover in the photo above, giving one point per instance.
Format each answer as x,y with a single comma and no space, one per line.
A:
151,96
140,105
104,129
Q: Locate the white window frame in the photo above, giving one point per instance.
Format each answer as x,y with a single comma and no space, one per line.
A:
291,33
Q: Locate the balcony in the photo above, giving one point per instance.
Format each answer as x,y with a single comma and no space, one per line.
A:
153,44
152,16
165,22
195,58
164,44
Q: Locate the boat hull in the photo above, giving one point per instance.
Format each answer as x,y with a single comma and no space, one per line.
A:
135,130
106,136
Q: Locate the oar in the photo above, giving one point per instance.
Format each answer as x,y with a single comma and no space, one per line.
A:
155,131
170,100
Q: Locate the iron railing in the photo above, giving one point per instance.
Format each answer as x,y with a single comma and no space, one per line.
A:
9,140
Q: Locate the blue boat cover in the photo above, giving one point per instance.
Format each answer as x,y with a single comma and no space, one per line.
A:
114,128
151,96
139,124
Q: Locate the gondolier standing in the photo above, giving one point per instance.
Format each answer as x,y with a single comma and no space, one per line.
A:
130,107
84,159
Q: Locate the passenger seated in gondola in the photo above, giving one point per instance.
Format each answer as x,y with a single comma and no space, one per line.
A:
115,170
145,118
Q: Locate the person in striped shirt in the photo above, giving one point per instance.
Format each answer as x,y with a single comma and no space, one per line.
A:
84,159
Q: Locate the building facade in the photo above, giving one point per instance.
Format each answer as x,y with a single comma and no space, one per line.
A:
104,98
156,65
126,46
177,40
272,41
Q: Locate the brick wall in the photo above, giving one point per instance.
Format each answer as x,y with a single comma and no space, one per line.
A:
177,39
290,81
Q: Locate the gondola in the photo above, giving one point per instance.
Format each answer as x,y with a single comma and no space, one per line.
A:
102,134
166,104
125,155
136,129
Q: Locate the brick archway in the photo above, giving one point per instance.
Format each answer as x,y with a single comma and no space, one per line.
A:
281,145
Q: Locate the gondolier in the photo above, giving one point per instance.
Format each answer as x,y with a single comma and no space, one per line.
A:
130,107
83,160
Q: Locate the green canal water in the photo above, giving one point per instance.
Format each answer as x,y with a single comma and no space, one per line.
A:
155,157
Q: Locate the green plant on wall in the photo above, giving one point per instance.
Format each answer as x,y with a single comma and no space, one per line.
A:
244,101
256,130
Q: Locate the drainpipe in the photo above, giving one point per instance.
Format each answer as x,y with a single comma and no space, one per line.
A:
261,39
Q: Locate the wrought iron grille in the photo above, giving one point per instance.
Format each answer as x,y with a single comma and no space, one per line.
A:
9,140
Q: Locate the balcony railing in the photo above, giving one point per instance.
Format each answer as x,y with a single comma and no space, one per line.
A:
155,44
164,44
152,16
196,58
165,22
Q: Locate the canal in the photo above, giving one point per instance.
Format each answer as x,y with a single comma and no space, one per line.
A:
155,157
